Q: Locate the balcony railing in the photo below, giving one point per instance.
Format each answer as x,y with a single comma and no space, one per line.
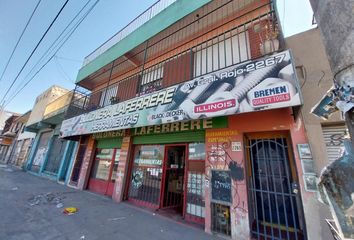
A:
237,40
132,26
58,106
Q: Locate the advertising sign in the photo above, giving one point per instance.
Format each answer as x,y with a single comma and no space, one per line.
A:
267,83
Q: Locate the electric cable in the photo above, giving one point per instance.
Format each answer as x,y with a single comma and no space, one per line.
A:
50,50
19,39
69,35
33,51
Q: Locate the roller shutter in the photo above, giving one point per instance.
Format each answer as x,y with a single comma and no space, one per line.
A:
333,136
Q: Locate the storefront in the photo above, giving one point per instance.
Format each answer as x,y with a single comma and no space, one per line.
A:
167,170
55,155
104,167
212,151
40,151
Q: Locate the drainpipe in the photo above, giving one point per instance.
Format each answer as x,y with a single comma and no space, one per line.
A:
335,20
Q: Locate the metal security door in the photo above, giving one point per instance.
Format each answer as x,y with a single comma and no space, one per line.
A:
274,197
55,155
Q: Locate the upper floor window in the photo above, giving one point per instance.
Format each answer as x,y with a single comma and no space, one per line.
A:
151,80
109,95
221,52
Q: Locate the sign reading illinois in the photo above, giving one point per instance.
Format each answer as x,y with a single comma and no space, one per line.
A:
267,83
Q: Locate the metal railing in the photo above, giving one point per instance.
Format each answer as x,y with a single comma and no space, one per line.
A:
57,106
132,26
220,50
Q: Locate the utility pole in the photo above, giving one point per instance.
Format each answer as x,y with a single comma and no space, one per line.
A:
335,19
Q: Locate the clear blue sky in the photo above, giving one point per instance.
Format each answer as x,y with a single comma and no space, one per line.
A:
107,18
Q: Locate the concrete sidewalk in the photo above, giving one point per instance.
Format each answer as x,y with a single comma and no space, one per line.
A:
28,206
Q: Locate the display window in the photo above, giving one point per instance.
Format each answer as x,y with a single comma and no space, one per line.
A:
170,177
104,170
146,174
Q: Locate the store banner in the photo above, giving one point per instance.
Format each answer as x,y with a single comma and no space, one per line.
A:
266,83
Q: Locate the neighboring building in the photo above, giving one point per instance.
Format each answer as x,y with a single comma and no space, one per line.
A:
21,143
192,110
4,115
50,156
7,134
325,136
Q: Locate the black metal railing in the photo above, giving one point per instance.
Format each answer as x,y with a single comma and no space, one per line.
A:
215,49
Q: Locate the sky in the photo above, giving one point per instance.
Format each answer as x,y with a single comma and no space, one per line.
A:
106,19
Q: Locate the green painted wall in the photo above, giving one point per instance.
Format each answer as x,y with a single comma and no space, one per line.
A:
180,137
161,21
109,143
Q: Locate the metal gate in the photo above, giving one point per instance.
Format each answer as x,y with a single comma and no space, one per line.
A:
274,197
55,155
41,151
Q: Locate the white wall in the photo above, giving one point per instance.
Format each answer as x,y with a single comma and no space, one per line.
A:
42,101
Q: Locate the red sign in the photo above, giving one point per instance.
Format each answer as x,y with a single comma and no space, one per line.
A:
272,99
215,107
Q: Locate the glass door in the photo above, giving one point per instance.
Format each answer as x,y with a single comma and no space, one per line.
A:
104,166
173,194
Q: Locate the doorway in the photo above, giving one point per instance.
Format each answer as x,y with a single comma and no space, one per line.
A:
275,203
104,171
173,179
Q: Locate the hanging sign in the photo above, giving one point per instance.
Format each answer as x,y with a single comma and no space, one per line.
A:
266,83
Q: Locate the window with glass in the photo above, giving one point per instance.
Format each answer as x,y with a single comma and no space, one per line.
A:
196,151
146,175
102,164
115,165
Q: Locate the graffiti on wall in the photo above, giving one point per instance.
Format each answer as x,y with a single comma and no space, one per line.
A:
219,158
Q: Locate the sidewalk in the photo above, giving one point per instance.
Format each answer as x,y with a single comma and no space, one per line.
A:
28,206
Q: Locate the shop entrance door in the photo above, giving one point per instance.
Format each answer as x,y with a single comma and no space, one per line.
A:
173,179
274,196
104,171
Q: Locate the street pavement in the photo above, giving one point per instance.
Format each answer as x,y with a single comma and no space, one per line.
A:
31,209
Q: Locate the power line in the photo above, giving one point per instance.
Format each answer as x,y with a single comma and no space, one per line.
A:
51,48
68,36
61,69
18,41
69,59
24,65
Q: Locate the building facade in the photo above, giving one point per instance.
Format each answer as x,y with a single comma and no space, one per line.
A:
50,156
195,113
21,142
8,132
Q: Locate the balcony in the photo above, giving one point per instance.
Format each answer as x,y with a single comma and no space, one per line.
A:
129,28
220,35
55,110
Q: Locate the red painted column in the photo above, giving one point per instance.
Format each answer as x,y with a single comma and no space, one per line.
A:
221,156
123,164
86,165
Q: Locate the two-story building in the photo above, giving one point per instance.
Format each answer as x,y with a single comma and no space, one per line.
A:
7,133
50,155
21,141
192,110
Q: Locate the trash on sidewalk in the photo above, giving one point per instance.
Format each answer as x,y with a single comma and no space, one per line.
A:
117,218
82,237
70,210
47,198
60,205
14,188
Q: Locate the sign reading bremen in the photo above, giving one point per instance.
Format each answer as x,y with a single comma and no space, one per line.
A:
266,83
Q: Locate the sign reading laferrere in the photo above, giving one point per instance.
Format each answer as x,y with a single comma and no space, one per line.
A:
266,83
